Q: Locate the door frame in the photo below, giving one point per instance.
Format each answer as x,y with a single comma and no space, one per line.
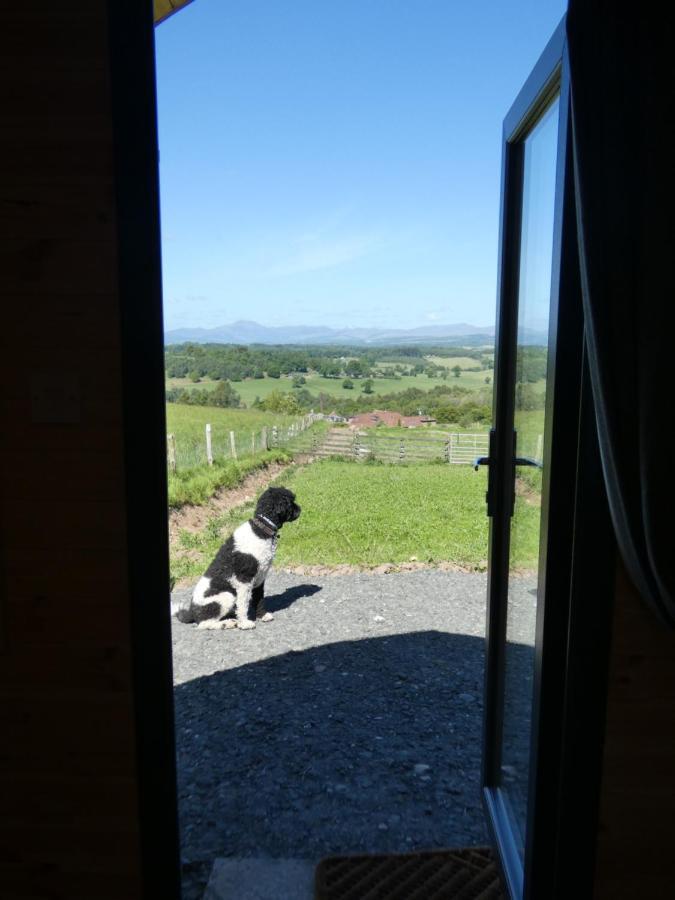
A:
135,167
572,774
569,681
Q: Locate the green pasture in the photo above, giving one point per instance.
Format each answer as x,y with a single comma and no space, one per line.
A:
251,388
197,484
370,514
188,425
449,362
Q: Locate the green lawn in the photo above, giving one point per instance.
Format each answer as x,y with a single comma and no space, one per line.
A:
367,515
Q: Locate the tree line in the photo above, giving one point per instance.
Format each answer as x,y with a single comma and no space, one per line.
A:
229,362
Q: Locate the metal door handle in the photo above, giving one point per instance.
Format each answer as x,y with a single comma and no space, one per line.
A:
481,461
527,461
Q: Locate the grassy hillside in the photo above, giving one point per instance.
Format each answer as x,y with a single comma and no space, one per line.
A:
188,425
194,481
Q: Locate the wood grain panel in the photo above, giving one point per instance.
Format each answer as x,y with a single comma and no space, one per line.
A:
637,807
68,775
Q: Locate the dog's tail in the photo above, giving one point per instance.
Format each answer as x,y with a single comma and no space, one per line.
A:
183,611
185,616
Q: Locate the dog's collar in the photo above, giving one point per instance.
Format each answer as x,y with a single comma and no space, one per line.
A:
266,525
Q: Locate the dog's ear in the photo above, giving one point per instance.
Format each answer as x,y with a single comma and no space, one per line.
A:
285,500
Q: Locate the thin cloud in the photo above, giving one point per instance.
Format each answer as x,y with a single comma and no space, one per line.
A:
311,253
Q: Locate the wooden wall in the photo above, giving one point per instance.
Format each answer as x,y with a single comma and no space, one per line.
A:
68,785
637,806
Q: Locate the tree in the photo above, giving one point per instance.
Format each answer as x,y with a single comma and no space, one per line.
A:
273,371
357,368
224,395
298,381
348,384
329,369
456,371
487,379
281,403
367,387
194,377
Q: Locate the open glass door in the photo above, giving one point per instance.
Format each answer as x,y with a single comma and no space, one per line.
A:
532,478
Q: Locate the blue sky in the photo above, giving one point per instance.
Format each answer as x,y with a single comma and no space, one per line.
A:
337,162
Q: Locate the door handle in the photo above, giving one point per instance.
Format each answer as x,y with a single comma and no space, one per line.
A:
518,461
492,472
490,461
527,461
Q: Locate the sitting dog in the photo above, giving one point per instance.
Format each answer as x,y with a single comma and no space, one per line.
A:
235,580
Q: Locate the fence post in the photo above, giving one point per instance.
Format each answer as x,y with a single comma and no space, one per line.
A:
275,436
253,442
446,450
209,451
233,445
171,447
401,450
263,438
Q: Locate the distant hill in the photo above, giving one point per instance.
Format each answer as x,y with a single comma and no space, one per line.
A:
245,332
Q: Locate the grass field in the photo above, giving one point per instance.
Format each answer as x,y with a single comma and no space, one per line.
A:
198,484
449,362
194,481
440,432
188,425
367,515
262,387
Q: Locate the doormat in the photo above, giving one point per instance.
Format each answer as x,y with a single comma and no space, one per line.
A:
463,874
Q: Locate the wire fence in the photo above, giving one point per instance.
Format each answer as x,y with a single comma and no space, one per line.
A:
218,444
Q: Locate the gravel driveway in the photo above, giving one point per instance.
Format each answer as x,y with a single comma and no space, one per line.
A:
351,723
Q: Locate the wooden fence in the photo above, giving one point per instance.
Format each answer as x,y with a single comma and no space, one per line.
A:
412,446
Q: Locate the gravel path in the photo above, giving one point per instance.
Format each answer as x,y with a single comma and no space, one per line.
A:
351,723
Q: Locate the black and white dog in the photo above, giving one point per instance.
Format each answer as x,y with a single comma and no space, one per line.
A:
235,580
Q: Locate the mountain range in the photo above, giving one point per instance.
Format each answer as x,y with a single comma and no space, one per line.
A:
246,332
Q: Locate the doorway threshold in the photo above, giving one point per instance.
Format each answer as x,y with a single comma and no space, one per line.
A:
261,878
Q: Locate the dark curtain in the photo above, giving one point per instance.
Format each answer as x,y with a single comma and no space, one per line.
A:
622,76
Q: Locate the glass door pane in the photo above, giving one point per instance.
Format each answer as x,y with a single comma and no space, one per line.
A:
534,296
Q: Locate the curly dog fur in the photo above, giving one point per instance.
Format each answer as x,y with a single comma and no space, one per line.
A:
235,580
